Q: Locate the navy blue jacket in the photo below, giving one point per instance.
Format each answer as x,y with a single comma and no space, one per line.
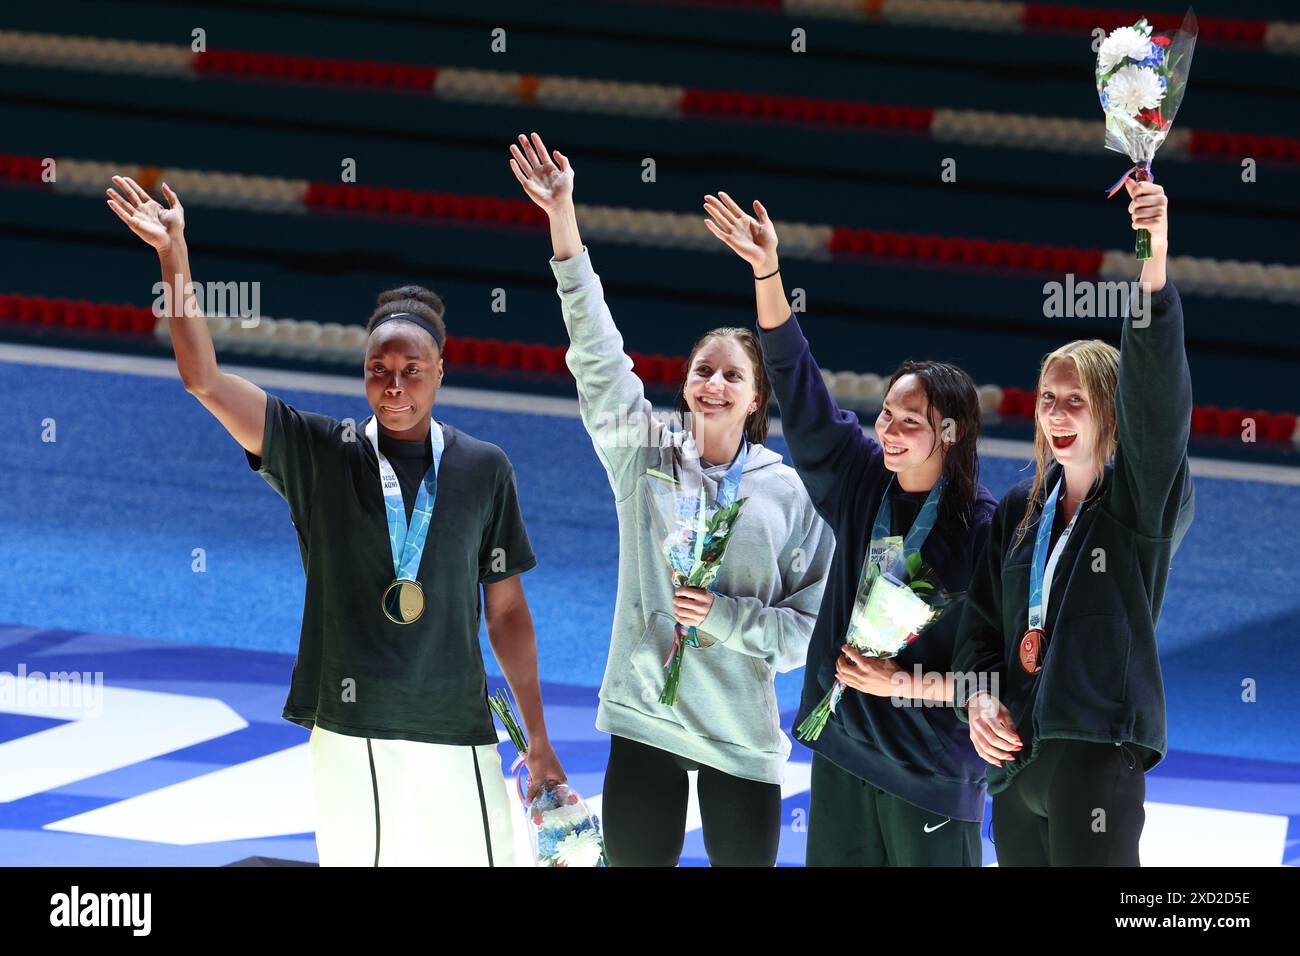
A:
921,753
1100,677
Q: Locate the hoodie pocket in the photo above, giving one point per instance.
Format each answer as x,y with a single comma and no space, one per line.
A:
724,695
639,679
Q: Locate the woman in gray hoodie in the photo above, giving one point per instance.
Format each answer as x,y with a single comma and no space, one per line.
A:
756,622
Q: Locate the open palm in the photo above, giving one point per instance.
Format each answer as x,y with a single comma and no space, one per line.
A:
753,238
156,224
547,178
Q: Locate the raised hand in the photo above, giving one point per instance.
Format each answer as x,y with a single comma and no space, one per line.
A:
1149,210
753,238
546,178
157,225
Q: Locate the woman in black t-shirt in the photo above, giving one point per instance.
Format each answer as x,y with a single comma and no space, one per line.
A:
400,520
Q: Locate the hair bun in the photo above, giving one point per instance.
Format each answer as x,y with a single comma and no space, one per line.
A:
417,292
415,299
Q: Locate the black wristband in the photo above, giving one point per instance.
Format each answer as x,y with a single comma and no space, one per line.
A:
768,276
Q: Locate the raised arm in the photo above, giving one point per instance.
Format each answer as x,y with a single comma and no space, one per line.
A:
754,239
237,403
827,444
1153,401
611,397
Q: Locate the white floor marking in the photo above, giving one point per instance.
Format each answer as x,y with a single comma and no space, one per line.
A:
132,726
266,797
1177,835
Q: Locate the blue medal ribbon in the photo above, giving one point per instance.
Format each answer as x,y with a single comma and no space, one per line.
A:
728,489
920,530
407,541
1039,565
729,486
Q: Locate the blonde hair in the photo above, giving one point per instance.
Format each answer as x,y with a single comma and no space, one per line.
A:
1097,363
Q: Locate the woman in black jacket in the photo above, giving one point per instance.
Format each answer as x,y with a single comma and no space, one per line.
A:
1055,661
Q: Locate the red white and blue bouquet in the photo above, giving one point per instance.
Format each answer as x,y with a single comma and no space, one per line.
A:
1141,78
563,832
694,531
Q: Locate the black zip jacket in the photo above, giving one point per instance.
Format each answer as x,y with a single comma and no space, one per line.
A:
1100,677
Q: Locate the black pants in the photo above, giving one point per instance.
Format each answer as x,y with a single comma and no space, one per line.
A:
852,823
1078,803
643,810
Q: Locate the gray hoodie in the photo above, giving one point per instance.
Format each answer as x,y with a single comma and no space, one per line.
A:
770,586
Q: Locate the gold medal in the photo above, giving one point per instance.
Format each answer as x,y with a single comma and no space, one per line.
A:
1030,647
403,602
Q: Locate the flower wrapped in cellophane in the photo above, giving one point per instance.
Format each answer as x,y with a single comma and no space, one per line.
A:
562,831
898,597
565,832
1141,78
694,530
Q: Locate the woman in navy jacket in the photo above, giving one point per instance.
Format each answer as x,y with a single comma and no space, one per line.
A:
894,779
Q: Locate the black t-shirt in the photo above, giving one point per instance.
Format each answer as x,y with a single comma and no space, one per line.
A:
904,507
357,672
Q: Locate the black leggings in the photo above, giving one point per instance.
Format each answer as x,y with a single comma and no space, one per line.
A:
643,810
1078,803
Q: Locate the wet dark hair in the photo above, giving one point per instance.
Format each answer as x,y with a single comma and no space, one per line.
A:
951,393
417,300
757,422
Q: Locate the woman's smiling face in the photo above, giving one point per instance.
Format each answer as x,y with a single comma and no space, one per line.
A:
906,427
1065,414
720,388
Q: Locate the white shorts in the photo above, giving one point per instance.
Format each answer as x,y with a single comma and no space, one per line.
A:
405,803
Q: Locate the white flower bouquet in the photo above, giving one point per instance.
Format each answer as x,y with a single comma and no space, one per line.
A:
898,598
1141,78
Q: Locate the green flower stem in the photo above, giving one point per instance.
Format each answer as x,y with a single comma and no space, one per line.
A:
1143,247
812,726
673,679
500,705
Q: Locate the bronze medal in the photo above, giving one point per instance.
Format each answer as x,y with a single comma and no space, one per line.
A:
1031,646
